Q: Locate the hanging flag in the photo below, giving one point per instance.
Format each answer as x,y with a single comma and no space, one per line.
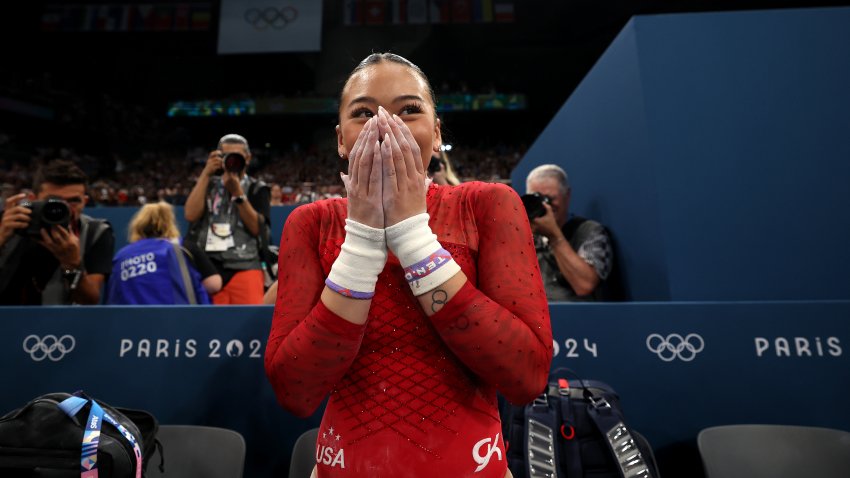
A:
439,10
417,12
482,11
181,17
353,12
163,17
375,13
461,11
257,26
503,11
51,18
201,17
398,11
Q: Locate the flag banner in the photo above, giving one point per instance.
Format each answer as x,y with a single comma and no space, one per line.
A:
503,11
125,17
375,13
181,17
397,11
417,12
461,11
482,11
200,18
353,12
438,11
422,12
252,26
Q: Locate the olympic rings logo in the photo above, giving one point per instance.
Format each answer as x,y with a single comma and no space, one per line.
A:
48,347
264,18
675,346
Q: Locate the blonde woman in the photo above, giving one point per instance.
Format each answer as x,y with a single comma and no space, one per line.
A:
440,170
155,269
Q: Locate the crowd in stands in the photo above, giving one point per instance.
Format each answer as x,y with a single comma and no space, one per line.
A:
303,174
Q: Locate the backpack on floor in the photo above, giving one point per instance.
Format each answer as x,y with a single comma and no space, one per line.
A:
61,435
574,429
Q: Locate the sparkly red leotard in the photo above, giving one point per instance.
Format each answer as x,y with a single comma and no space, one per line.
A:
411,395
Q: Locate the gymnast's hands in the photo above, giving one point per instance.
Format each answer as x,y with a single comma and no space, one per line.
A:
364,181
403,173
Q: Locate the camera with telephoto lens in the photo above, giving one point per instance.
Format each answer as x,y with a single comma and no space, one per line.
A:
534,204
45,214
435,165
233,163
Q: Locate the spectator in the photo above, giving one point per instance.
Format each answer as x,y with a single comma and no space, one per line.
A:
228,210
574,253
440,170
410,350
276,195
154,269
56,265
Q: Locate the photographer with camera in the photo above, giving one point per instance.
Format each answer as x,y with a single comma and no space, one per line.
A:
574,253
229,212
50,252
440,170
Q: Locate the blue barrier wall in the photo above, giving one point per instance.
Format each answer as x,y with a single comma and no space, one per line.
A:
120,217
777,362
715,147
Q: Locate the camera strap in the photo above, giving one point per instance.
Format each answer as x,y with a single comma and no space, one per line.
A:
220,203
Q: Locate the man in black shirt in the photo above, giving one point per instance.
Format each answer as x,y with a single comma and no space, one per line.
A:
228,211
60,265
574,253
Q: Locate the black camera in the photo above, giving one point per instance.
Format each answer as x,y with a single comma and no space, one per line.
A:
435,165
45,214
534,204
233,163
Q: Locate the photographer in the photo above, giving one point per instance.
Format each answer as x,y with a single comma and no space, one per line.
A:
440,170
575,255
50,252
229,210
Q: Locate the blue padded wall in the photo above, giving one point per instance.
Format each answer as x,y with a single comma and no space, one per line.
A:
714,145
120,218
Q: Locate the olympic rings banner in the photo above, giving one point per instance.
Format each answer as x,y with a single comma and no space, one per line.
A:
261,26
678,367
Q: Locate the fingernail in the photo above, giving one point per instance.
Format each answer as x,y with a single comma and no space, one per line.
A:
387,137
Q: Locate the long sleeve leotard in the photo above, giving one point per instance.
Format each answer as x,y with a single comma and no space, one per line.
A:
412,395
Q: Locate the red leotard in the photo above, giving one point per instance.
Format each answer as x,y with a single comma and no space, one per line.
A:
411,395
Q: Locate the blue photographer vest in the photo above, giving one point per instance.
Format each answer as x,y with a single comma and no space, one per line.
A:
147,272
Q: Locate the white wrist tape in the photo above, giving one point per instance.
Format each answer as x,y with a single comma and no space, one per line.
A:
363,256
426,264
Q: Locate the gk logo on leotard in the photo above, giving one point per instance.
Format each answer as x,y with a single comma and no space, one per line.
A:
484,460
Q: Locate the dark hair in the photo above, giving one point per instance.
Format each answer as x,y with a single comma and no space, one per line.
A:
60,172
376,58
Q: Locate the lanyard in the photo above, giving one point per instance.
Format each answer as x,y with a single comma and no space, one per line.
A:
219,202
91,437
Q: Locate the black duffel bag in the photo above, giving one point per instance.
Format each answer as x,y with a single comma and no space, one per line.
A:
574,429
44,438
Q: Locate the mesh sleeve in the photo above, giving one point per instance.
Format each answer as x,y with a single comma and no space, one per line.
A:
501,329
309,348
